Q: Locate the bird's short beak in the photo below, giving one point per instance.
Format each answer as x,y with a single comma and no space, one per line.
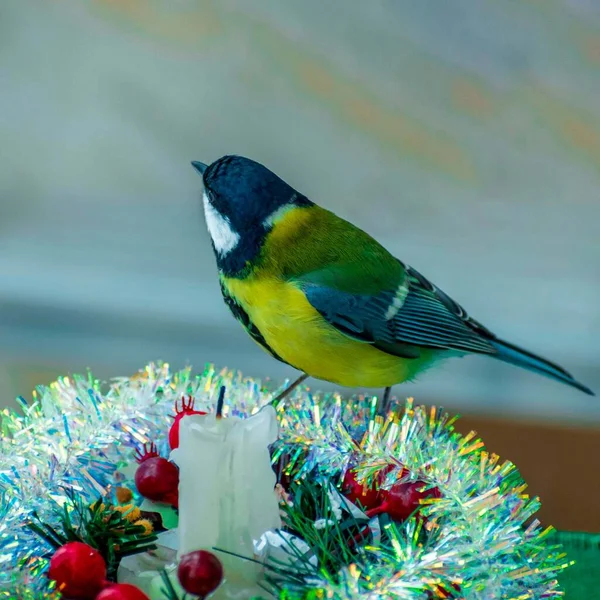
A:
200,167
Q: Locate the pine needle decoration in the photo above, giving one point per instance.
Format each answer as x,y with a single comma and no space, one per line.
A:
99,526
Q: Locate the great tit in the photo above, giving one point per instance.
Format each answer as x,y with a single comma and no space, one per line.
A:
318,293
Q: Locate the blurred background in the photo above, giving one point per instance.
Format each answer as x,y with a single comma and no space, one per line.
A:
465,136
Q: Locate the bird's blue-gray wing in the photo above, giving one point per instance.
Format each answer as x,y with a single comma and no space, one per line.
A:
427,318
396,320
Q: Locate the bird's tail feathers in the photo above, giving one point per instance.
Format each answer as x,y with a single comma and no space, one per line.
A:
522,358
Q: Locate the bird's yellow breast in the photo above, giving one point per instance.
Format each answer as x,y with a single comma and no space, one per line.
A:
305,340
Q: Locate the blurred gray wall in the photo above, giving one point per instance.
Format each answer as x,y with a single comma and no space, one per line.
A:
464,135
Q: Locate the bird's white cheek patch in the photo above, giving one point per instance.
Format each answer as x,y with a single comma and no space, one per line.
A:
223,236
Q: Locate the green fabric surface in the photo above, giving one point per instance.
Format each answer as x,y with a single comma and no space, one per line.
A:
582,580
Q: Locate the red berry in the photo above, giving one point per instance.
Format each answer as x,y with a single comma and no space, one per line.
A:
200,572
403,498
368,497
121,591
187,408
78,569
158,479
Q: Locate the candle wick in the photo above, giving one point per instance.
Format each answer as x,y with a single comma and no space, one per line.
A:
220,400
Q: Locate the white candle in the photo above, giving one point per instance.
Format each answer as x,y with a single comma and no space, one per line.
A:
226,486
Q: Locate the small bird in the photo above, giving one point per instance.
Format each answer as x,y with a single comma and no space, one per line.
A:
320,294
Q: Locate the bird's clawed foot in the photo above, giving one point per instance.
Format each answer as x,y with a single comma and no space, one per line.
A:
288,390
382,409
386,402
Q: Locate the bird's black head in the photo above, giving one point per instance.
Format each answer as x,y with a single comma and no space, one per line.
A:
242,201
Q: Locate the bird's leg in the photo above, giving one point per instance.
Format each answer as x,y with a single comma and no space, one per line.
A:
386,402
288,390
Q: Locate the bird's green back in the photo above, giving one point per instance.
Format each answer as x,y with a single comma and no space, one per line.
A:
315,242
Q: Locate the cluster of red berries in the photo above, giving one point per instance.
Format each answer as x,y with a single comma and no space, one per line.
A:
157,478
80,573
400,501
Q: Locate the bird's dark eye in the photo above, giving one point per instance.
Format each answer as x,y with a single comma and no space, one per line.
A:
210,195
217,201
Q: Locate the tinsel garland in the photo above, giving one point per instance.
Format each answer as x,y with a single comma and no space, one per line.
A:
77,433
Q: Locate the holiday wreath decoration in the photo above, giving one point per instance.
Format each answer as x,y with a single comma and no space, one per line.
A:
370,506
